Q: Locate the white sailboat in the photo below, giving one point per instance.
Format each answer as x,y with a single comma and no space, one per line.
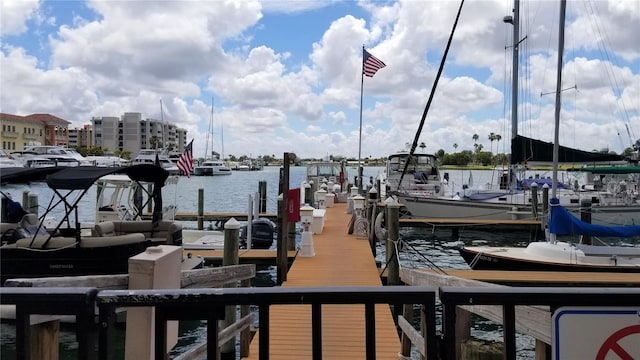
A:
513,199
212,164
560,255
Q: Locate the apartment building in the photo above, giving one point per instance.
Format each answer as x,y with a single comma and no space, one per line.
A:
132,133
34,129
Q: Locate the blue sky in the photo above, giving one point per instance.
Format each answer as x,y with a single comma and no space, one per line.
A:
285,75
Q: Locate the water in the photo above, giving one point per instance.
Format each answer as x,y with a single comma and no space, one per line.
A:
423,248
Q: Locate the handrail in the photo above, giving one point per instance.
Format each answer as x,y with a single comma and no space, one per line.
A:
182,304
452,297
209,304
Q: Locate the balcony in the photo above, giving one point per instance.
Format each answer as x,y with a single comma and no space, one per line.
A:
10,134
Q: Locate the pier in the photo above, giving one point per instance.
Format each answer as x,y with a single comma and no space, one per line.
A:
340,260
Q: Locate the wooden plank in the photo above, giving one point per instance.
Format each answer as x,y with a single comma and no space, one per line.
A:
207,277
545,278
534,321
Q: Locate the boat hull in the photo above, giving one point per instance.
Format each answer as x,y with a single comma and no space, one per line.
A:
427,207
517,259
29,263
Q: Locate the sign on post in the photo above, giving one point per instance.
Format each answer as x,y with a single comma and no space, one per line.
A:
598,333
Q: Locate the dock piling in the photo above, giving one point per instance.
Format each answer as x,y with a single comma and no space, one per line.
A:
200,209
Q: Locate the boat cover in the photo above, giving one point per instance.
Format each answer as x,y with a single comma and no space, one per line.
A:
19,175
82,177
561,222
524,149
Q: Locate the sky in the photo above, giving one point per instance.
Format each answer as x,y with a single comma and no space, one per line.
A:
286,75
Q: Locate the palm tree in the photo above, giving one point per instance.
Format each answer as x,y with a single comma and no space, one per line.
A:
498,138
422,146
455,147
475,138
492,138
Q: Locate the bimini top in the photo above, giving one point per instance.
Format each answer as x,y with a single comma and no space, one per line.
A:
27,175
82,177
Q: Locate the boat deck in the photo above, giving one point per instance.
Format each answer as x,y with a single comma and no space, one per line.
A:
340,260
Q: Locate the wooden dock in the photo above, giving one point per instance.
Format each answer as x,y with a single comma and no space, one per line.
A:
340,260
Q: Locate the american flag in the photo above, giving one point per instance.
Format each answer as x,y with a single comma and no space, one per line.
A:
185,162
370,64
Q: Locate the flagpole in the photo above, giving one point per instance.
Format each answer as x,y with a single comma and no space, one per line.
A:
360,136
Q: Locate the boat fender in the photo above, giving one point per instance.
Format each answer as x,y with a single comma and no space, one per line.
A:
380,231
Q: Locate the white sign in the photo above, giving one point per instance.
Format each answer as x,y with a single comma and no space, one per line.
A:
598,333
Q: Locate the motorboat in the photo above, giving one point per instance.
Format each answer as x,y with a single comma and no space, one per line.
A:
106,160
156,156
33,250
7,161
332,174
417,174
211,167
61,156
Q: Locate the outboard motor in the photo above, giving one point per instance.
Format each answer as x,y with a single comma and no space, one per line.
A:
262,233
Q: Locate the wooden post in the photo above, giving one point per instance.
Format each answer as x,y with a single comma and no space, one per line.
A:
372,213
32,203
156,268
545,199
262,190
230,257
44,340
245,334
534,200
393,230
585,215
283,247
200,209
291,240
407,313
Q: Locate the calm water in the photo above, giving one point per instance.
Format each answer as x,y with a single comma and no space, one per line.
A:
422,248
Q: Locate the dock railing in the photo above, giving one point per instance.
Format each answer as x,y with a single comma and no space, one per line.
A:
209,304
510,297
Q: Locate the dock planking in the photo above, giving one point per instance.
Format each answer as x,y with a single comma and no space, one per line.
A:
340,260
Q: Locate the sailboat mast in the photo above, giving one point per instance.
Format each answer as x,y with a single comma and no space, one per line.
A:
556,136
515,69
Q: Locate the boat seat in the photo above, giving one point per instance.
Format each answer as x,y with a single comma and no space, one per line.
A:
163,232
86,242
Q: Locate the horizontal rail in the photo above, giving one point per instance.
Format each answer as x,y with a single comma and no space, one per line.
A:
209,304
509,297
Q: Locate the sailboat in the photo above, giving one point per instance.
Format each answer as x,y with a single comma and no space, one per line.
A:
559,255
513,199
212,164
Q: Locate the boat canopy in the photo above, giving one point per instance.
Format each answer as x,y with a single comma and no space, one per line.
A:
561,222
82,177
524,149
20,175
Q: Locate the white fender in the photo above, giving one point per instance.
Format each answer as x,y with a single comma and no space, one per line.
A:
380,231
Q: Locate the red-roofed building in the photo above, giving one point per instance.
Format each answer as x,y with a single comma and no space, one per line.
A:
43,129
